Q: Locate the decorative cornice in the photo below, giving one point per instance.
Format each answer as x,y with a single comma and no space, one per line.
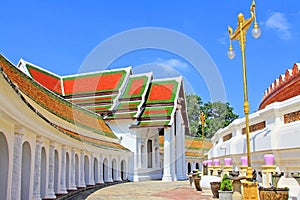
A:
277,91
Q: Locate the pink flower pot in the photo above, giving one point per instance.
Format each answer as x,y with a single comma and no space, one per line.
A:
244,161
227,161
216,162
209,162
269,159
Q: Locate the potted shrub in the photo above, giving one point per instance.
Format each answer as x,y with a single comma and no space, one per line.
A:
274,192
197,178
225,192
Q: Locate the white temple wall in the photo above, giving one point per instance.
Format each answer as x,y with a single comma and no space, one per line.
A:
276,137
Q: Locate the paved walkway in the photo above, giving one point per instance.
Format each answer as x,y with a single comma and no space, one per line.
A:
151,190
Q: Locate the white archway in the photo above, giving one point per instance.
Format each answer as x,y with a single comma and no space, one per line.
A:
86,169
105,169
96,170
3,165
114,170
26,171
76,170
43,173
123,170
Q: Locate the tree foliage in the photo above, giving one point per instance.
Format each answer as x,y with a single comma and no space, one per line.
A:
218,115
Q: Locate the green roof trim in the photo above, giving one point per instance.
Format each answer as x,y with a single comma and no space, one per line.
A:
93,100
100,108
128,105
125,115
162,111
129,87
154,123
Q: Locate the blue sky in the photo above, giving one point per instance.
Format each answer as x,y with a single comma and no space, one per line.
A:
59,35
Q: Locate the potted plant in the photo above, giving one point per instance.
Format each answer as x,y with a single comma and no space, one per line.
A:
215,186
273,192
225,192
197,178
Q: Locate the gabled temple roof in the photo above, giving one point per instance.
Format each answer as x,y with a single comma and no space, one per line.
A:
96,91
53,103
116,94
132,98
161,103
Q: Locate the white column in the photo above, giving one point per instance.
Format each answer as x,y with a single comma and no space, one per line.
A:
17,166
81,171
72,185
183,162
92,173
109,178
63,188
51,193
119,169
173,155
101,170
167,152
37,171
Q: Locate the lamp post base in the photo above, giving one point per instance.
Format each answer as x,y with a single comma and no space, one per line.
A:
250,191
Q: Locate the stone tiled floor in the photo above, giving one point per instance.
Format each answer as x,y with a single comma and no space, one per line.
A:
152,190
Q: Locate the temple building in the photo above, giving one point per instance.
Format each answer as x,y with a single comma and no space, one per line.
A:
274,128
61,133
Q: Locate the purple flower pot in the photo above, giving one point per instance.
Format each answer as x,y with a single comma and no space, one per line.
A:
204,162
216,162
244,161
209,162
269,159
227,161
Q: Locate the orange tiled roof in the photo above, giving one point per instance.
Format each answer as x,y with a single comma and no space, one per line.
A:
193,146
54,103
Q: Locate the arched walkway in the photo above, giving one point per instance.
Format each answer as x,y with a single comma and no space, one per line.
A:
26,169
189,167
43,173
123,170
197,166
105,170
114,170
76,170
96,170
86,169
3,166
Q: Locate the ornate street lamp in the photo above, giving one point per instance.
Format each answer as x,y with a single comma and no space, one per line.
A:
202,119
240,34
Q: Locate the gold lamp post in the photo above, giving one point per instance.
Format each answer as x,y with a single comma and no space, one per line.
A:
240,34
202,119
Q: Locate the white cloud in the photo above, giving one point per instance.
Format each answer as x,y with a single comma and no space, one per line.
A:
224,38
279,22
174,63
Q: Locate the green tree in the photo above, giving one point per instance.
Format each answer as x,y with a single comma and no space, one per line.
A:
218,115
193,109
